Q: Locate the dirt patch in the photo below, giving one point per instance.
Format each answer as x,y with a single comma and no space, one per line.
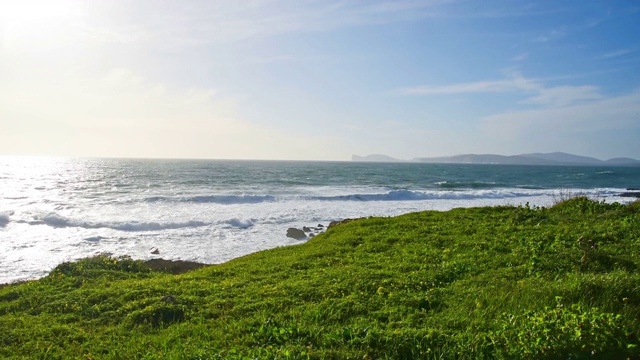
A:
173,266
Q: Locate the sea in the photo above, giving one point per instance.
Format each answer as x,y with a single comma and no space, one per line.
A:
54,210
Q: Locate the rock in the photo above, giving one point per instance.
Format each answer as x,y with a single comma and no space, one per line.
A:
296,234
169,299
320,226
155,251
631,194
306,229
338,222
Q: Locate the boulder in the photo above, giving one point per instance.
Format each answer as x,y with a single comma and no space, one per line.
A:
296,234
306,229
155,251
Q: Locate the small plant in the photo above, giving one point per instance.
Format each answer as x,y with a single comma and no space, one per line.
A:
587,246
566,332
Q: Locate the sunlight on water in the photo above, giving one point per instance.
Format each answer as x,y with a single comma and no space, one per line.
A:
60,209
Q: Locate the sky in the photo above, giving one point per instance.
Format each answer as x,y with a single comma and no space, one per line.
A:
319,79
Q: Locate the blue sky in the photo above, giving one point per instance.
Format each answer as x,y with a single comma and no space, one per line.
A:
318,80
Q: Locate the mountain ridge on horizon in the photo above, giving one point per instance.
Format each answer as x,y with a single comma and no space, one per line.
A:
553,158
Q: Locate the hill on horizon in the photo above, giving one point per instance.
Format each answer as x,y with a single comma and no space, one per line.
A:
554,158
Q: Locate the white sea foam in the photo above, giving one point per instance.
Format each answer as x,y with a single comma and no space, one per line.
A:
58,221
95,238
240,223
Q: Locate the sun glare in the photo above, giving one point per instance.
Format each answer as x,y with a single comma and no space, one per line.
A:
33,25
32,10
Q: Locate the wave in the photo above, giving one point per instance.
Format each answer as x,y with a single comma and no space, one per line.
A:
393,195
482,191
216,199
408,195
469,185
95,238
242,224
59,221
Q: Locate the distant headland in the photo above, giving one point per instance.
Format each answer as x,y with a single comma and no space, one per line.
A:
555,158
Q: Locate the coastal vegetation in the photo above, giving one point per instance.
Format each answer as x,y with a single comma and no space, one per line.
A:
491,282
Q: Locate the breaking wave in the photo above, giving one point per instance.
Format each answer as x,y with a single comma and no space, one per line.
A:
481,191
240,223
56,220
216,199
468,185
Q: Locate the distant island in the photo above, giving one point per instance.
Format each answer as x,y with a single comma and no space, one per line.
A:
555,158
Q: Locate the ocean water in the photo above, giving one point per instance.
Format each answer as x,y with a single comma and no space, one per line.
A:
60,209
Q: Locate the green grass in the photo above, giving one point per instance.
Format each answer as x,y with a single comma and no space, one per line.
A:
500,282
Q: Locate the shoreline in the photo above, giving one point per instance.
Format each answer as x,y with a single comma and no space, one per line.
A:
632,194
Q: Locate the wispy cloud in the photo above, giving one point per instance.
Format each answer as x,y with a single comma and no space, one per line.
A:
520,57
275,59
515,82
560,96
228,21
603,113
550,36
617,53
103,34
535,91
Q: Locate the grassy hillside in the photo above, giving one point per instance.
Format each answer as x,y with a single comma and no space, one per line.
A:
503,282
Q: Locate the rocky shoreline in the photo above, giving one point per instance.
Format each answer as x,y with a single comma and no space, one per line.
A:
308,232
631,192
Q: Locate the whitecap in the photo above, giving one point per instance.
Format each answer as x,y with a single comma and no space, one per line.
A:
240,223
56,220
95,238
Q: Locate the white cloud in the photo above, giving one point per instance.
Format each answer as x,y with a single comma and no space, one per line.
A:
563,117
588,117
